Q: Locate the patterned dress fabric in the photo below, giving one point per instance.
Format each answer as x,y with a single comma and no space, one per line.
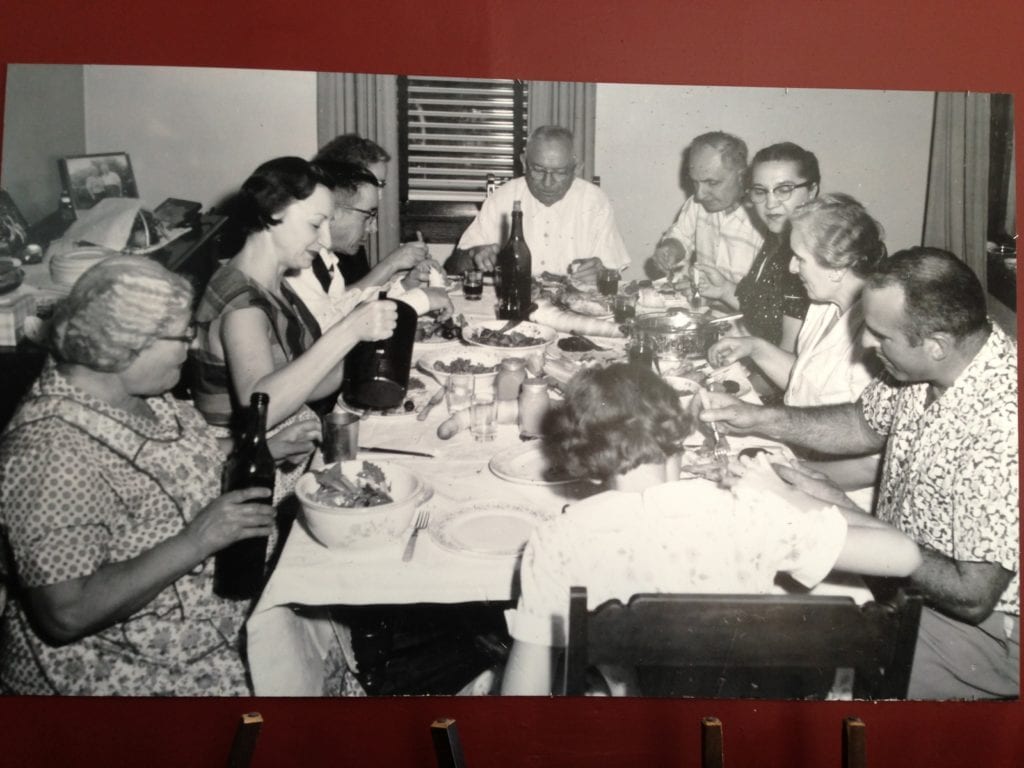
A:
83,486
769,290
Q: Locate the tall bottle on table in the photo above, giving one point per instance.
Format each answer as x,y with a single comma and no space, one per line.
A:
239,568
514,271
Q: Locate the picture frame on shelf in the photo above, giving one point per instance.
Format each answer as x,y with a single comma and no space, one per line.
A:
91,178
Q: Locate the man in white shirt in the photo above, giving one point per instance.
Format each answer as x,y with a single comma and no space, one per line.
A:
713,226
321,288
567,222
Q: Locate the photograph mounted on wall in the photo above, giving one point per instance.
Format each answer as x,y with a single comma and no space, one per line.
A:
564,432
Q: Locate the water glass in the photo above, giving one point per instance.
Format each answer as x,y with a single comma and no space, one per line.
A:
473,284
340,436
483,414
459,392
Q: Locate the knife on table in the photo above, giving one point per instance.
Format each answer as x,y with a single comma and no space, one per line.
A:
437,397
369,449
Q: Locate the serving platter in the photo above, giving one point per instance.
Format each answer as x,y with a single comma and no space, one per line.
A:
482,357
485,528
542,336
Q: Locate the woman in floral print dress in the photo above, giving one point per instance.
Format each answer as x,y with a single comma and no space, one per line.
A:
110,505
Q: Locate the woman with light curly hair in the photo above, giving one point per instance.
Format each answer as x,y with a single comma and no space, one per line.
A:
110,505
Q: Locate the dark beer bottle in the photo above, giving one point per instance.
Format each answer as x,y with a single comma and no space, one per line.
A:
514,272
238,568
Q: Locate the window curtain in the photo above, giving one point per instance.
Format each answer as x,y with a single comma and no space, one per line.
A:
572,106
956,211
367,105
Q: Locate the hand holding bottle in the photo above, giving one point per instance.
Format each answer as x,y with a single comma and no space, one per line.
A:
372,321
232,517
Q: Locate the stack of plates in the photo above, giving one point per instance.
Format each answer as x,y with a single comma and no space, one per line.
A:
66,268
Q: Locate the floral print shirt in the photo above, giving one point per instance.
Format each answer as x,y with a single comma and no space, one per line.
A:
687,536
83,485
950,479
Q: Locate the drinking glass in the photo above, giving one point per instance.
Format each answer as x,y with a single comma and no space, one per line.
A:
624,308
608,282
483,422
340,436
473,284
459,392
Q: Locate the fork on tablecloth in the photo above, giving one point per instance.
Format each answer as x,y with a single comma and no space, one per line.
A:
422,518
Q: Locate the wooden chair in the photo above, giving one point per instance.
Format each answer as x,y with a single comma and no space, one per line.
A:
447,745
244,743
746,646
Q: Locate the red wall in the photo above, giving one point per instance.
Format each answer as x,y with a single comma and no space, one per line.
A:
946,45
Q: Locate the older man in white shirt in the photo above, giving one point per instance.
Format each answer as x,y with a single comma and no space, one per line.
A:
713,226
567,222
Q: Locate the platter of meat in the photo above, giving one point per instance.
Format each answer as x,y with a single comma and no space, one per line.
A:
525,337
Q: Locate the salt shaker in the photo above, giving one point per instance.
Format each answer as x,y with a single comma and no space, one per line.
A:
510,377
533,404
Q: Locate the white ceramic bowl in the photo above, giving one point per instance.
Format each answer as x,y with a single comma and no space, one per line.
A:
540,333
362,527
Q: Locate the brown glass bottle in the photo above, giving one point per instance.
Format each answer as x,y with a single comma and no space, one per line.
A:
239,568
514,271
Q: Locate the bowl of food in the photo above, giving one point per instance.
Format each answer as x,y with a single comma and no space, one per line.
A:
359,504
525,337
481,362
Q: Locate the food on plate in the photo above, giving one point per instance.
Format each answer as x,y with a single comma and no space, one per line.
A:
728,386
370,488
589,303
513,338
577,343
433,329
464,365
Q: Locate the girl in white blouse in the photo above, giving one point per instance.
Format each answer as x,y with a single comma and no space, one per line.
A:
649,532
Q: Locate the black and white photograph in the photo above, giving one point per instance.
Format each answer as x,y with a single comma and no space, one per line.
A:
484,387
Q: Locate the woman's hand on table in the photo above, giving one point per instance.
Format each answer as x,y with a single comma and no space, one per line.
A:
732,349
295,441
234,516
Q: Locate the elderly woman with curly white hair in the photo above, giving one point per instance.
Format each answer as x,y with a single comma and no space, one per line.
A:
110,505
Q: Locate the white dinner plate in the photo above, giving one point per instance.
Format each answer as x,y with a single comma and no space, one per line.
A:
541,334
525,464
486,528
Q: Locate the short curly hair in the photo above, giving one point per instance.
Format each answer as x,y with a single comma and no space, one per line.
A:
613,420
115,310
270,189
841,233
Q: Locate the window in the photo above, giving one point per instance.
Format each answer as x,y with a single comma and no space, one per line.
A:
455,134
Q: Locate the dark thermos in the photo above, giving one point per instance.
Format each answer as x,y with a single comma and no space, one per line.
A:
514,271
377,372
239,568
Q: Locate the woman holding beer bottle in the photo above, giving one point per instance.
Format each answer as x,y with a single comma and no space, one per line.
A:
111,506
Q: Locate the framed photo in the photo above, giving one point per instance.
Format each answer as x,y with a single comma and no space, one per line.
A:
90,178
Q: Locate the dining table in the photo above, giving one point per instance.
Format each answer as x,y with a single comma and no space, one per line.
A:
291,633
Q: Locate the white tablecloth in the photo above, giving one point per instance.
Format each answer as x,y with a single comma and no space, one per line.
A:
287,651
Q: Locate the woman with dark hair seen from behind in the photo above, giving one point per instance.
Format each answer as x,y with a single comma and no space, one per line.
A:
251,337
836,244
773,300
111,508
649,532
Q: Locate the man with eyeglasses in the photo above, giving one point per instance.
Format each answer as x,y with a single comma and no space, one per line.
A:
567,222
713,226
322,288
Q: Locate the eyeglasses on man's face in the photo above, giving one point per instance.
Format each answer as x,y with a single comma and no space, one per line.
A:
782,192
368,215
539,172
186,338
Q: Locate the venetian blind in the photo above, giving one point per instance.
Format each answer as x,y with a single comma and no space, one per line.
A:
455,132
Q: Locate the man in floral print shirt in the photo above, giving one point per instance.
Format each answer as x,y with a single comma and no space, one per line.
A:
946,413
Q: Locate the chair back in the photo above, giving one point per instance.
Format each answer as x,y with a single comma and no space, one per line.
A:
757,646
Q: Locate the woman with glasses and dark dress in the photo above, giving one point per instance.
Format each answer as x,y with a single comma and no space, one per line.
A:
773,301
111,505
251,335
